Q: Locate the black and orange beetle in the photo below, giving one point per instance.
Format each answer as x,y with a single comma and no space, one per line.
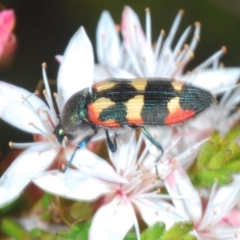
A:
135,103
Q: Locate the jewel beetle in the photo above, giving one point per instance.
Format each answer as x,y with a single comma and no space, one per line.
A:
135,103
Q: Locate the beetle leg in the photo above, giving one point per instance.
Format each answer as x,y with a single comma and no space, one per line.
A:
156,143
80,145
111,143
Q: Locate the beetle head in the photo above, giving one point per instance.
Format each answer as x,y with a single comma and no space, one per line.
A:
73,119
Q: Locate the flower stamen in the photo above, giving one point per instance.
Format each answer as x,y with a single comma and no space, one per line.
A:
56,98
36,127
158,45
196,37
21,145
31,107
148,27
215,57
48,119
181,41
47,92
139,54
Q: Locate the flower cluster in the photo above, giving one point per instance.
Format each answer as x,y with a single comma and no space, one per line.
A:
142,59
33,115
127,186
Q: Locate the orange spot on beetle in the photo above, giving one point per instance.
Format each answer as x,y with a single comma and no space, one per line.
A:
104,85
135,121
179,116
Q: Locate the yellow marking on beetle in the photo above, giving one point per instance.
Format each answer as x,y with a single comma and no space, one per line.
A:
174,105
95,108
177,86
134,108
139,84
105,85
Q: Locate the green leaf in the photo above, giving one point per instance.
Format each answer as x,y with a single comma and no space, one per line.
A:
217,160
233,134
233,166
46,200
130,236
154,232
14,207
36,233
206,178
13,230
78,231
80,210
189,237
206,154
215,138
234,150
178,231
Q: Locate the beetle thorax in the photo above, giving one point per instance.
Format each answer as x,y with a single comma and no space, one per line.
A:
74,116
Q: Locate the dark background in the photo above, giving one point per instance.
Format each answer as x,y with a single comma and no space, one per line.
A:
44,27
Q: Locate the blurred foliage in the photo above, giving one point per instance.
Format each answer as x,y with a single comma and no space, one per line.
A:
12,229
179,231
63,219
219,158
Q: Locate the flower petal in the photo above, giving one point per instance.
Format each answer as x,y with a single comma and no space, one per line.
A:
133,35
59,58
92,165
118,219
178,184
138,48
221,203
187,157
17,111
20,172
126,155
164,136
108,41
76,69
157,210
215,80
221,233
105,72
72,184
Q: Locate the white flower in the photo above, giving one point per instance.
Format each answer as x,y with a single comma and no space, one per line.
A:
27,112
138,56
214,216
128,183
